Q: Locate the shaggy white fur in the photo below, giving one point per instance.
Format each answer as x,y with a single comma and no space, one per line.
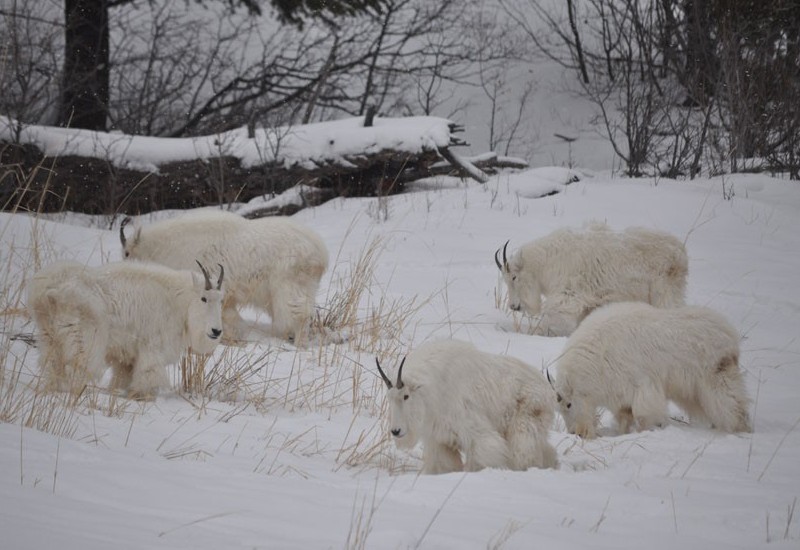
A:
456,399
631,358
273,264
136,317
578,271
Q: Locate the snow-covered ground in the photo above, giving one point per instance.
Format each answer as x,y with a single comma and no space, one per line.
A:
287,449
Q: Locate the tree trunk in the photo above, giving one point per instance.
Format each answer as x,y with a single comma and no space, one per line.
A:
578,47
323,78
84,95
700,71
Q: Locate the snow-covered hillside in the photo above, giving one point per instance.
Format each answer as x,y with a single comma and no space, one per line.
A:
287,448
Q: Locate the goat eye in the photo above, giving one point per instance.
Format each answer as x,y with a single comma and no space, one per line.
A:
127,254
514,278
405,397
569,405
203,299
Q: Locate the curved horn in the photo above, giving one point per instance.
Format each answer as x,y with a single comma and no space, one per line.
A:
505,259
558,395
122,225
497,260
400,375
383,374
205,274
221,276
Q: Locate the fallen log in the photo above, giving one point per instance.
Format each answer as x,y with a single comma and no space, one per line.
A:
99,173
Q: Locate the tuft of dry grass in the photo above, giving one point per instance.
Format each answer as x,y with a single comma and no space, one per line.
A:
509,529
22,399
361,519
342,305
234,375
371,448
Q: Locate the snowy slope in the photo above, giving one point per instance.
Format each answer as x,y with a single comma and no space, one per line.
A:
296,457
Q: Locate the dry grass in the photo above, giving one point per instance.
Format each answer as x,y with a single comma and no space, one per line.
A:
22,400
233,375
363,516
371,447
501,538
326,379
357,307
330,379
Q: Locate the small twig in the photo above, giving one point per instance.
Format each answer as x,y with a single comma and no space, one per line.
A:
789,517
27,337
696,457
596,526
767,526
780,444
695,224
674,515
55,472
214,516
130,429
755,411
21,476
438,511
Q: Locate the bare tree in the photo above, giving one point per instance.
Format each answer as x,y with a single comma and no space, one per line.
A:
736,64
196,82
85,90
29,61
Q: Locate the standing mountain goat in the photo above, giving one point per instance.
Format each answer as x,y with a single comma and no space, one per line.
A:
135,317
578,271
456,399
273,263
631,358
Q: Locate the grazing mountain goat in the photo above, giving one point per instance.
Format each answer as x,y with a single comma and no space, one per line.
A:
273,263
578,271
456,399
631,358
133,316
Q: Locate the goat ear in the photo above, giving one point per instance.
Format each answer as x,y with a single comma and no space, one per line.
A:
136,235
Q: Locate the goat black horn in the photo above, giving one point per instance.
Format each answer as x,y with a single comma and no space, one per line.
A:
205,275
122,225
383,374
400,374
221,276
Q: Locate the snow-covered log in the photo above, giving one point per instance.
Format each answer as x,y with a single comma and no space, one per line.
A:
105,173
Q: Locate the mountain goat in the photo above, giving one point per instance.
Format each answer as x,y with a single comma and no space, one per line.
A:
135,317
273,263
456,399
578,271
632,357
